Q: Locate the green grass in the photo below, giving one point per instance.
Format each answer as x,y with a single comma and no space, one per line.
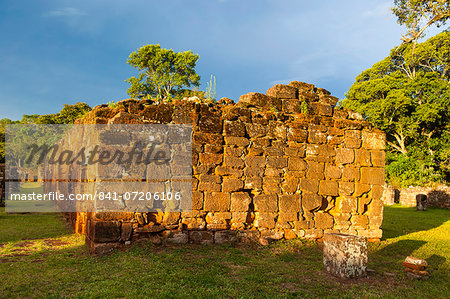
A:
56,264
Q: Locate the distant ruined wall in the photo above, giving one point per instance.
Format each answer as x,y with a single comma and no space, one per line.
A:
438,196
286,164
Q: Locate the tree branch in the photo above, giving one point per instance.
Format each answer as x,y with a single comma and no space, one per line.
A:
395,147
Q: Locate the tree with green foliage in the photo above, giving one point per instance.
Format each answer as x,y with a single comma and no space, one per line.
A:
407,95
418,15
3,122
67,115
163,72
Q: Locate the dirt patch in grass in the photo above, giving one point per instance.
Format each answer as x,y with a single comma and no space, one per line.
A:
290,287
38,261
24,244
235,269
5,261
21,250
16,255
55,243
372,279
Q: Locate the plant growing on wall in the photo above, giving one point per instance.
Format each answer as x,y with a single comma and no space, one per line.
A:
303,106
211,93
112,104
162,72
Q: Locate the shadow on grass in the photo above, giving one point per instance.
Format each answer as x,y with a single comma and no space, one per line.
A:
390,257
435,261
399,221
401,248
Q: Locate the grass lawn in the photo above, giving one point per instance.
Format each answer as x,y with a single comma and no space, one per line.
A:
40,257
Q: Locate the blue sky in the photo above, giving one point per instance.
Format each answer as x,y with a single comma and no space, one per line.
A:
57,52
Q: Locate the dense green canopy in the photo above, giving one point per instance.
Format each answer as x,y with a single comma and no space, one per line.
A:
67,115
407,95
163,72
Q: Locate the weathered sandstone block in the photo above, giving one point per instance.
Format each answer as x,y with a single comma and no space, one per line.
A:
291,106
363,157
323,220
240,202
265,220
260,100
329,188
234,128
346,188
281,91
232,184
373,140
378,158
345,156
201,237
103,231
302,85
266,203
321,109
233,162
345,256
225,236
217,201
372,175
328,99
290,203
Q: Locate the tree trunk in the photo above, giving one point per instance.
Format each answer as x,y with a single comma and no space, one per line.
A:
401,143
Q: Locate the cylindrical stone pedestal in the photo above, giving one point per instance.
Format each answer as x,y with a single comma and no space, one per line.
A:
345,256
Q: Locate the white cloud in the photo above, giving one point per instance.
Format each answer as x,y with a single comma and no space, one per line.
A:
64,12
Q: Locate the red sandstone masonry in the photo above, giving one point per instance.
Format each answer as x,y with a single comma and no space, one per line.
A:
260,168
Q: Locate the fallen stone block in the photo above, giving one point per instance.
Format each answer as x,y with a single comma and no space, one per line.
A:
416,261
414,266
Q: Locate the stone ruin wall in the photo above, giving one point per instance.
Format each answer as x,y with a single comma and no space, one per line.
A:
438,196
282,165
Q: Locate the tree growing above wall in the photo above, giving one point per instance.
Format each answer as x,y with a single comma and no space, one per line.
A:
162,72
407,95
418,15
